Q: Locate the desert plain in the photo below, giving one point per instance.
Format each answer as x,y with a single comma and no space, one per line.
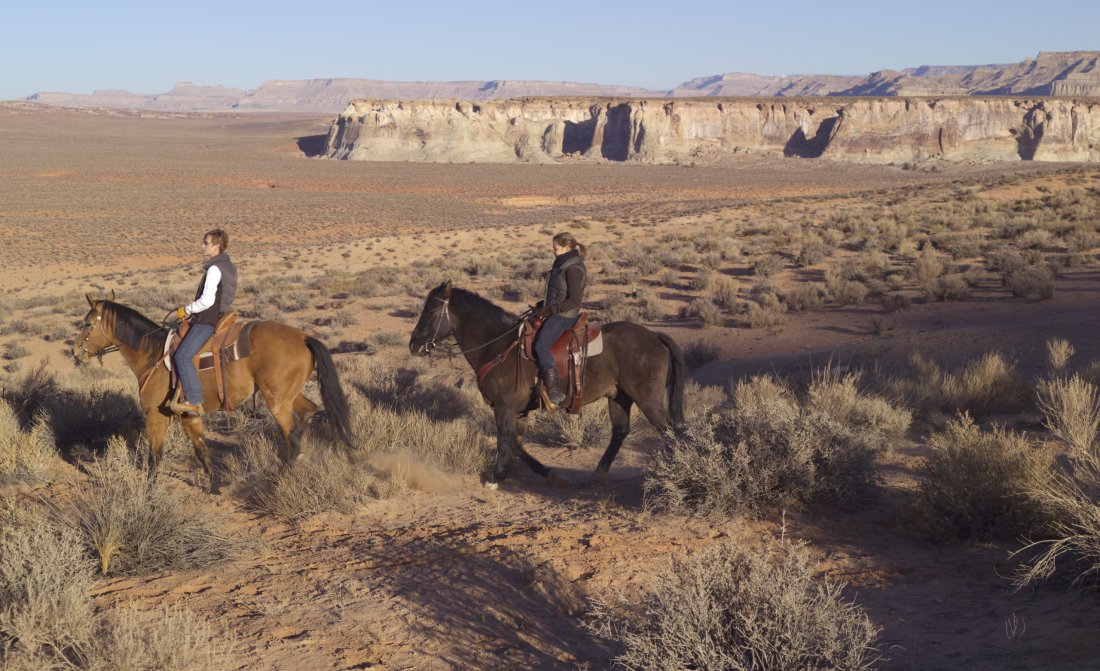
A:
751,265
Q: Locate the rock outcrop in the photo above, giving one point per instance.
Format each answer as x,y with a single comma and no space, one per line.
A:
665,131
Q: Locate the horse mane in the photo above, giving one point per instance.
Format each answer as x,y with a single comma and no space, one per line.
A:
484,310
132,328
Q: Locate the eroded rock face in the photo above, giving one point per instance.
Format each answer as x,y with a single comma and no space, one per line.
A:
871,130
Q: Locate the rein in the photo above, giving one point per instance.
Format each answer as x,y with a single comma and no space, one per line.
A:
445,312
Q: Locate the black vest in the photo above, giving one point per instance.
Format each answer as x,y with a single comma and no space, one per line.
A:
557,290
227,290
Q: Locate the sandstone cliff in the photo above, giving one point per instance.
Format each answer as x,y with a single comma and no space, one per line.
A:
872,130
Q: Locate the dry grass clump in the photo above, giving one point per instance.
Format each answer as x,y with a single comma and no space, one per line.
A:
977,484
1071,503
741,609
405,410
765,447
45,576
1071,411
1034,282
24,453
983,387
590,428
321,479
765,314
133,524
47,620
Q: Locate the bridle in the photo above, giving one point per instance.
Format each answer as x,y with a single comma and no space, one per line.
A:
445,313
89,328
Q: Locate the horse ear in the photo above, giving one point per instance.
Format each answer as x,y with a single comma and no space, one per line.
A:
91,301
445,291
112,295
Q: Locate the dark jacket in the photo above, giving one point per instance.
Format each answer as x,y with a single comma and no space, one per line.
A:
565,285
227,290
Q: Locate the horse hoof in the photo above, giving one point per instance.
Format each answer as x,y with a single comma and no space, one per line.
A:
491,486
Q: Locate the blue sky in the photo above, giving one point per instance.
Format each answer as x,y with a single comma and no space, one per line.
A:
148,46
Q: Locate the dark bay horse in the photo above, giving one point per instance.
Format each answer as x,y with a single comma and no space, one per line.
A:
282,360
637,366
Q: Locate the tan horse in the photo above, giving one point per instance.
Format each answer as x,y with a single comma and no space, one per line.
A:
282,360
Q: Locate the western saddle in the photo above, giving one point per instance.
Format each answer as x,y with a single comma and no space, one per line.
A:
229,342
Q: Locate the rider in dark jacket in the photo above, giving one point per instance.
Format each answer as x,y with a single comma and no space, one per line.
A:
213,299
564,294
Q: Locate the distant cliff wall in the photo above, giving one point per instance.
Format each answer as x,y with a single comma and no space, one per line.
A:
870,130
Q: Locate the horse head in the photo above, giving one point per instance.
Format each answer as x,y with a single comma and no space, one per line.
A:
94,340
435,321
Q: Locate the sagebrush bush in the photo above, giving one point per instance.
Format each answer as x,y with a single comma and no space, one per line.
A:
765,447
985,386
45,577
133,524
740,609
976,484
590,428
321,479
24,453
48,620
1070,501
1071,411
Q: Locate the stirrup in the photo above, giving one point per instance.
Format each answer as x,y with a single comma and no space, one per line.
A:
185,408
544,397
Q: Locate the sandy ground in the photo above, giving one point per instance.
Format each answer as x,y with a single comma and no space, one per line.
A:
459,576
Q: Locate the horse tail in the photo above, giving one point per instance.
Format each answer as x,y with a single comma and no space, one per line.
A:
337,411
675,381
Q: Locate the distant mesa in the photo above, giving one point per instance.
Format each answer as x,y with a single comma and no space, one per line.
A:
1070,73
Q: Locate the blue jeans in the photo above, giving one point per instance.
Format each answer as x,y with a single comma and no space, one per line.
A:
189,378
551,330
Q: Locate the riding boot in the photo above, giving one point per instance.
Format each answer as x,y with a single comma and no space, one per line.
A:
553,389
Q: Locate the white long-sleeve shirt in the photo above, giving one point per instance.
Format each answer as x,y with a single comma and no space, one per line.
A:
209,291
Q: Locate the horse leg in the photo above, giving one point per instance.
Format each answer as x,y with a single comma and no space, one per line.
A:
156,425
192,426
284,417
304,409
506,436
618,407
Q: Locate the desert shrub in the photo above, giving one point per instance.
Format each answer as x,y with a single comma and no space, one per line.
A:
699,353
591,428
321,479
650,304
740,609
976,483
616,309
724,294
949,287
1033,282
837,394
928,268
166,637
701,281
45,576
24,453
766,314
764,448
48,621
769,266
1071,411
704,311
1070,501
133,524
804,296
1059,351
813,252
844,291
986,386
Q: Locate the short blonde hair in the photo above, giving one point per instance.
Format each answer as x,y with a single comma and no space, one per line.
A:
218,237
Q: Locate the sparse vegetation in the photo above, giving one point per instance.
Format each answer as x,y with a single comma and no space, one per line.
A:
736,608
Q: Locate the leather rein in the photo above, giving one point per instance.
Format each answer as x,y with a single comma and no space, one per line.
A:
489,365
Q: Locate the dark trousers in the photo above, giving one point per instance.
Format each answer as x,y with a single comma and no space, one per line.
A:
551,330
196,337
